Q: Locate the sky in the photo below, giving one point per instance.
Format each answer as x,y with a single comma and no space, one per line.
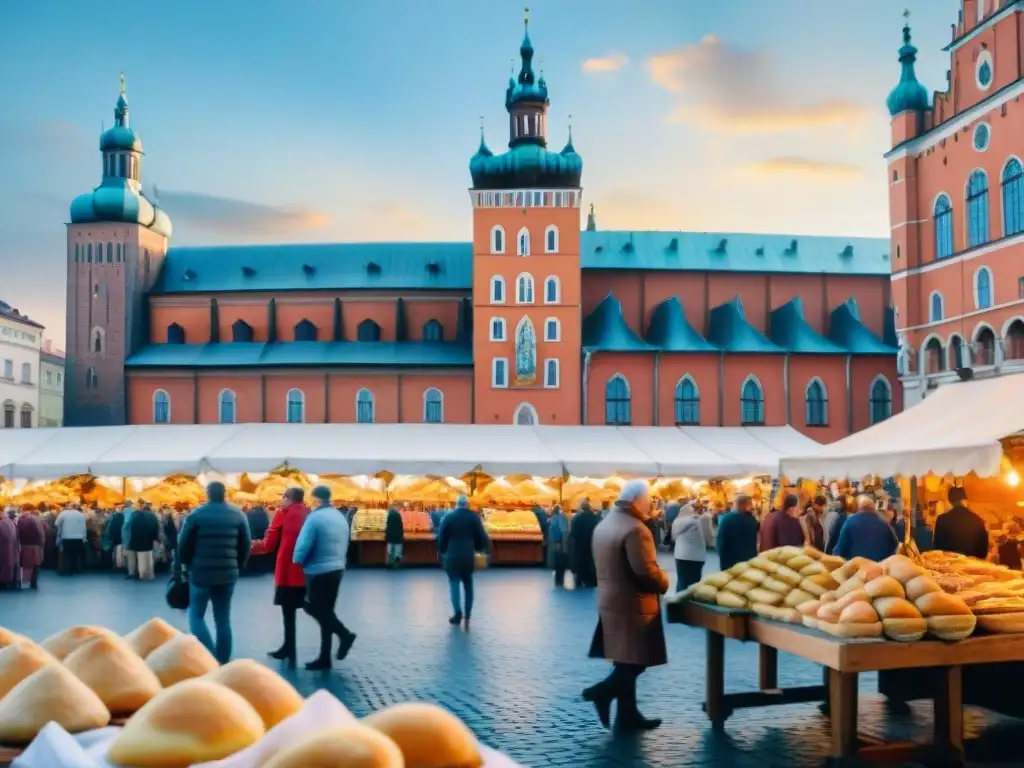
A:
354,120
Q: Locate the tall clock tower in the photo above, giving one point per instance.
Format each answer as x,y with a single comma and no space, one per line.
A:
526,266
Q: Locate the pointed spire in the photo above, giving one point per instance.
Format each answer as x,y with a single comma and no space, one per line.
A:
121,109
908,94
526,76
591,220
569,148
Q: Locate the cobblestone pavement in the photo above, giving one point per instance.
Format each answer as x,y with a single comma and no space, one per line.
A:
516,677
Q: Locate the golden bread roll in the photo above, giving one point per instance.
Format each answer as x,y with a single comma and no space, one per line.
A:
705,593
270,695
763,609
753,575
850,568
811,622
1002,623
814,569
115,673
776,585
951,627
147,637
352,746
63,643
850,585
179,659
775,555
799,562
884,586
829,597
717,580
832,562
763,596
901,568
859,612
904,630
829,612
941,604
896,608
50,694
796,598
739,586
819,583
762,563
728,599
813,553
810,608
20,660
7,637
870,571
855,596
788,575
739,568
195,721
789,615
852,629
788,553
919,586
812,588
428,736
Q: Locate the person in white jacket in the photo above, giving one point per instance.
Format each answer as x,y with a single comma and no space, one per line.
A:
690,547
71,533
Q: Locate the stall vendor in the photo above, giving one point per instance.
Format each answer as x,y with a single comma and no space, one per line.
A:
960,530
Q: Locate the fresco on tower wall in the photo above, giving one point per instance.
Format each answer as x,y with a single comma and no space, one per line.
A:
526,353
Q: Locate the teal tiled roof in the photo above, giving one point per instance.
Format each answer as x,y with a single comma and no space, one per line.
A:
704,251
729,330
669,330
300,353
847,330
606,330
789,329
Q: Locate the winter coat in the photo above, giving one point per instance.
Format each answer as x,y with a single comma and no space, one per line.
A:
394,530
214,544
462,535
961,530
144,532
281,537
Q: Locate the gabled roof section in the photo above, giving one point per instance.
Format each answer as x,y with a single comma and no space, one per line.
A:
789,329
317,266
729,330
302,353
847,330
671,332
606,330
723,252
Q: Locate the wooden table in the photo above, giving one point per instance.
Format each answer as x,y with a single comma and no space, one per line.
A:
516,551
842,661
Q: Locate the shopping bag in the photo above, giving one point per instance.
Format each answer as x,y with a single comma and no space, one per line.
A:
177,592
480,560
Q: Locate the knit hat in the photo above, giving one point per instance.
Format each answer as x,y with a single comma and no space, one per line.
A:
322,493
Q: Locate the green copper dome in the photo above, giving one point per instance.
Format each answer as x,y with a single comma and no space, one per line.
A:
908,93
528,87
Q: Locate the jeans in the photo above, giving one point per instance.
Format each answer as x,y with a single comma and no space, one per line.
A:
394,554
74,555
199,599
688,573
460,577
322,594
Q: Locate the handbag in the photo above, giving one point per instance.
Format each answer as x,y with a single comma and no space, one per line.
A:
480,560
177,593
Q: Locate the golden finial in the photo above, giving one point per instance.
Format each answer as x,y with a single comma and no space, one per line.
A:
123,89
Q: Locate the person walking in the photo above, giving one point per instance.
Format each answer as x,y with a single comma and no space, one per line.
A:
143,534
32,538
71,533
558,544
961,530
461,536
782,527
737,533
131,557
321,551
10,551
866,533
581,536
394,538
214,545
112,541
814,533
689,546
834,521
289,580
629,630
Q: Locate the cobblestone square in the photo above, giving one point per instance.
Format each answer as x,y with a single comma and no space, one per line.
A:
516,676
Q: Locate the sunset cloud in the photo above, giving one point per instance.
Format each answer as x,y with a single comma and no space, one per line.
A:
732,90
613,62
226,215
805,167
626,209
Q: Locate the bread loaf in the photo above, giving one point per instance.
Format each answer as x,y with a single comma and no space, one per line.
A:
50,694
739,568
762,563
20,660
179,659
859,612
900,619
850,585
273,697
705,593
917,586
901,568
1002,623
63,643
717,580
147,637
428,736
854,596
788,575
849,569
813,569
739,586
819,583
352,745
8,638
799,562
797,597
832,562
728,599
115,673
753,575
951,628
776,585
852,630
941,604
764,597
869,571
884,586
809,608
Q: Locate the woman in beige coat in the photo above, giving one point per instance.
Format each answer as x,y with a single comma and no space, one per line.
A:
630,583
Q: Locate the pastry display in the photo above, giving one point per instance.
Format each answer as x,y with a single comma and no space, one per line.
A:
511,524
20,660
115,673
416,523
369,524
181,658
147,637
428,736
193,722
353,746
858,619
948,616
63,643
273,697
901,620
50,694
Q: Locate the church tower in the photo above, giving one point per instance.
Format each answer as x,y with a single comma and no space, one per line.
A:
116,243
526,266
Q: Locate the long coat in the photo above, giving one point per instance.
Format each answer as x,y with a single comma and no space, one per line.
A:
629,587
10,551
281,536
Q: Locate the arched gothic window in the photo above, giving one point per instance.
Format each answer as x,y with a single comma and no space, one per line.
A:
497,240
551,239
364,406
983,288
881,400
523,242
524,289
175,334
984,347
305,331
1013,198
433,406
977,209
226,407
943,215
935,308
1013,341
687,402
752,402
617,405
433,331
296,406
161,407
816,398
241,331
368,331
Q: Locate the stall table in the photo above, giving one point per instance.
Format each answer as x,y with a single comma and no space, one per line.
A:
419,549
516,549
843,660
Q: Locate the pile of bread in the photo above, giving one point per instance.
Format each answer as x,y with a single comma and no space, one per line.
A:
994,593
895,598
773,584
180,707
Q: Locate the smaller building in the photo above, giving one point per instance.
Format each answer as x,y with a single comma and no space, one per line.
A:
21,339
51,386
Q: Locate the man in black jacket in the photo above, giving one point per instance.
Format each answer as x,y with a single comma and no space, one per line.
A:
961,530
143,533
394,537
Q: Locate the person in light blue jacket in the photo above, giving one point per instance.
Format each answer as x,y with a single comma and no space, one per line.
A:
321,550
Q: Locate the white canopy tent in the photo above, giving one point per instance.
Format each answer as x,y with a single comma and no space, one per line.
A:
751,453
679,455
955,430
15,443
596,451
163,451
69,452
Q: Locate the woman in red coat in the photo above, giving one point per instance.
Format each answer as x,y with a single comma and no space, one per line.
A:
289,579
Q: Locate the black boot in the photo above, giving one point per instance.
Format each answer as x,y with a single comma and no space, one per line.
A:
287,650
602,699
344,645
628,717
455,619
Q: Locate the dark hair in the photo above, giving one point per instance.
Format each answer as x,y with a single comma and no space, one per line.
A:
790,501
215,491
295,494
820,500
957,495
